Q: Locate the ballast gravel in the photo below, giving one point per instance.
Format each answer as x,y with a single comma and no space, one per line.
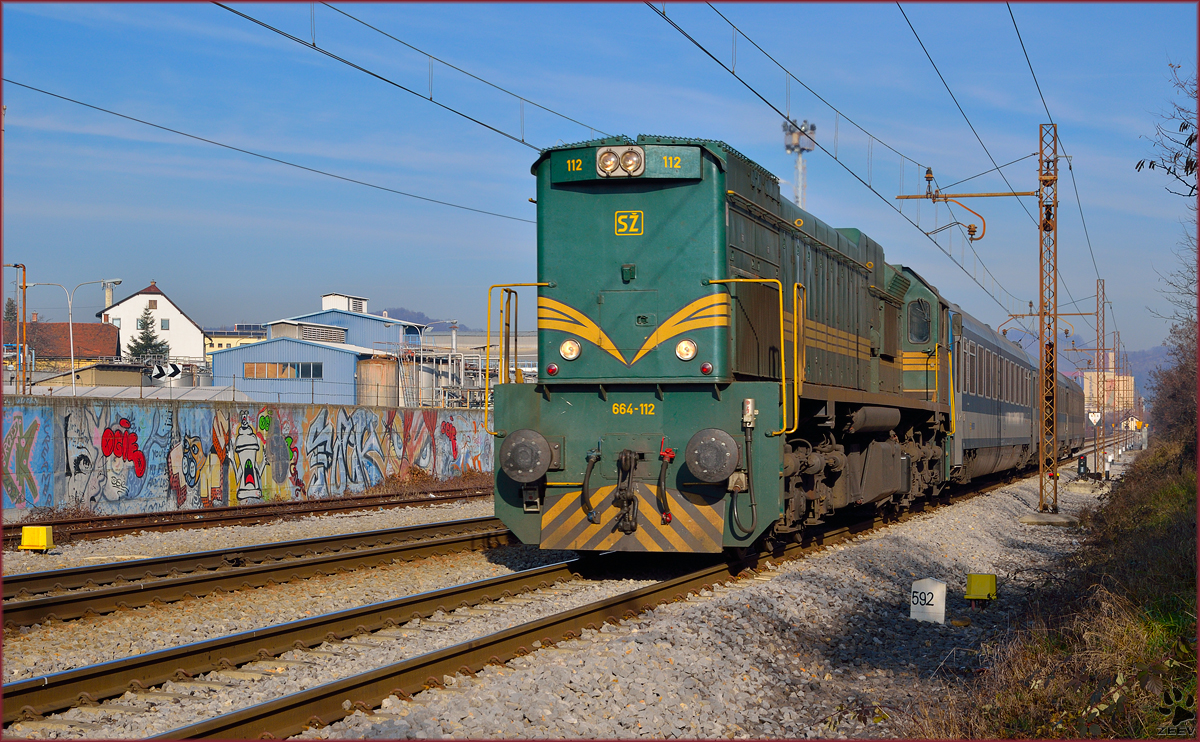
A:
797,652
41,649
134,715
148,544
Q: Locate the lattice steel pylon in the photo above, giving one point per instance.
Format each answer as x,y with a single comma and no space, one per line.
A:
1048,318
1100,388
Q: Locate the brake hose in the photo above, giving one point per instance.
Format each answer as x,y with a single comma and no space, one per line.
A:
585,500
667,455
749,490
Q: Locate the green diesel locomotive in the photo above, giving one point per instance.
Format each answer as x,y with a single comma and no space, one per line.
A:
680,404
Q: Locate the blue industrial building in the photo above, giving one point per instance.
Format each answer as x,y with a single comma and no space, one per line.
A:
315,357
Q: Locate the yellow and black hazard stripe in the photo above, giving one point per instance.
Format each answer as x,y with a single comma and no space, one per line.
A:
697,522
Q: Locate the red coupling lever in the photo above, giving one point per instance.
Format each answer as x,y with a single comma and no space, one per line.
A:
664,453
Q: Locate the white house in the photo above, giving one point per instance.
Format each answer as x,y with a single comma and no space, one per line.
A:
170,323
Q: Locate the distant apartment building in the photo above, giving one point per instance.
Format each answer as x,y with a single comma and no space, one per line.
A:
1119,392
171,324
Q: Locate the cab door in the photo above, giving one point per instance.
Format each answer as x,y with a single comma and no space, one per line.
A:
954,381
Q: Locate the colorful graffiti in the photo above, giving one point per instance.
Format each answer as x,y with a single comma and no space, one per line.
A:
26,459
130,457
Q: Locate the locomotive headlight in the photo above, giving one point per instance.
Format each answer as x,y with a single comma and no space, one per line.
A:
569,349
686,350
609,161
631,161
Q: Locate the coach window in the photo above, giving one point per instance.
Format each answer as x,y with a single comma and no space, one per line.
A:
918,322
970,385
958,367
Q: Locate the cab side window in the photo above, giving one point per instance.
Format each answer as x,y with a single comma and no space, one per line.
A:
918,322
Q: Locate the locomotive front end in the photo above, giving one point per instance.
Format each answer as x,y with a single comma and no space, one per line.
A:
637,435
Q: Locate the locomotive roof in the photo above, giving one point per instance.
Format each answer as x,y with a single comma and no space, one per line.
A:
719,149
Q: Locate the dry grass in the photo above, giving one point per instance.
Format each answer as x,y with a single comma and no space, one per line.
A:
1110,651
417,480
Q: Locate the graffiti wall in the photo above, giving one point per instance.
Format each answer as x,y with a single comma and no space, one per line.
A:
117,456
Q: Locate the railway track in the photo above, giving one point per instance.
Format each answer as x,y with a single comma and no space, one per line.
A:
146,581
240,656
30,699
107,526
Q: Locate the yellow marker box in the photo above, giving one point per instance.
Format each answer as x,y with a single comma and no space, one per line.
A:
37,538
981,587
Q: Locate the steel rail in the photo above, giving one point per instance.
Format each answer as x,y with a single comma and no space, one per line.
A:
106,526
325,704
59,691
32,583
31,698
105,600
328,703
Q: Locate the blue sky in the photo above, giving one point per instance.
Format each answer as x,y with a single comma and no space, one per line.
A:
232,238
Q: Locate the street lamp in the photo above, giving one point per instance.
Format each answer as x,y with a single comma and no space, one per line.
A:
70,317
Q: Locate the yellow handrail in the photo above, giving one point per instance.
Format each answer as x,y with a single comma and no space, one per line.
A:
487,366
950,383
799,363
782,362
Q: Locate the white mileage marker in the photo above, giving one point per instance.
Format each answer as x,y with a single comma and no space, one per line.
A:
927,601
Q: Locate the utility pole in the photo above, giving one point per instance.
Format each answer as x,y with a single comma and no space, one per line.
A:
1047,313
1101,365
1048,316
798,140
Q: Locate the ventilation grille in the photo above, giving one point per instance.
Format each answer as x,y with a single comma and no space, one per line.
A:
323,334
898,286
756,330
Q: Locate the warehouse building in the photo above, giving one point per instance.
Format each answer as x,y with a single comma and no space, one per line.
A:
334,356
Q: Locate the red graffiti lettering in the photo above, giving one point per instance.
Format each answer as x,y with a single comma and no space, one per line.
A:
451,432
122,444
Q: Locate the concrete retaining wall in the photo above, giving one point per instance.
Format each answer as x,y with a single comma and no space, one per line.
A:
137,456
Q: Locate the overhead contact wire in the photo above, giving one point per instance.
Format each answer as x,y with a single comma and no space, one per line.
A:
872,137
468,74
377,76
268,157
758,95
1070,167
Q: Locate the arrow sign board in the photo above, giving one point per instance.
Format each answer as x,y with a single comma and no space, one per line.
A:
1094,417
169,371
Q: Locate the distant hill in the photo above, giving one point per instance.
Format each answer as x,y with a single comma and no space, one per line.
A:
411,315
1142,362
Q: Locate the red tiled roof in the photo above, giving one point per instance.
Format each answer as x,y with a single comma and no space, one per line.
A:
51,339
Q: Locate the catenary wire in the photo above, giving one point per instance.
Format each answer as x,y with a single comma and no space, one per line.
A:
985,172
468,74
978,258
377,76
1070,166
965,118
759,95
268,157
928,56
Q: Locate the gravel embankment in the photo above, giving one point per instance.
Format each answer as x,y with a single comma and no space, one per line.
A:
150,544
42,649
133,716
795,655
